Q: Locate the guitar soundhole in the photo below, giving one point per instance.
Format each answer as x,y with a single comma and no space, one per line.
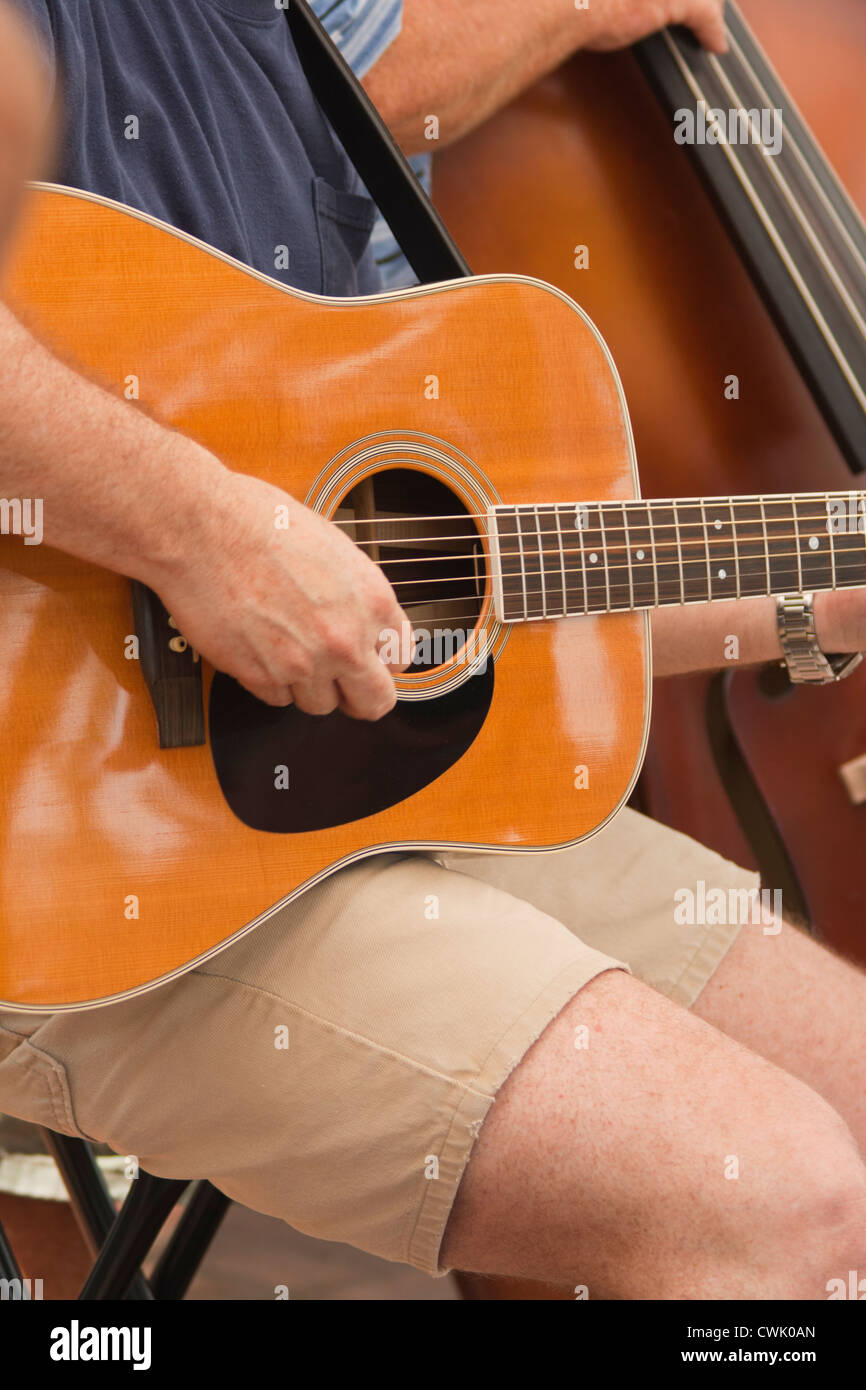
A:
426,542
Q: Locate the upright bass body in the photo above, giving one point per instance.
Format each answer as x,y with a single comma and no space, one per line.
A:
121,861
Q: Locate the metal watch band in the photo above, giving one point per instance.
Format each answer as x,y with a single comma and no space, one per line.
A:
807,664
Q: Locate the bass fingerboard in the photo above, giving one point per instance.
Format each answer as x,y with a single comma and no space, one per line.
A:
567,559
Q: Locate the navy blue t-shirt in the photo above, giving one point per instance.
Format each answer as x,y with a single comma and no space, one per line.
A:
198,112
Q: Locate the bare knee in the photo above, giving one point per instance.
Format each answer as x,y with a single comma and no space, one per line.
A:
802,1224
815,1222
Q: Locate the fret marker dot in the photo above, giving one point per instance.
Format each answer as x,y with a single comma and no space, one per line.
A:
723,574
814,542
641,554
718,525
593,559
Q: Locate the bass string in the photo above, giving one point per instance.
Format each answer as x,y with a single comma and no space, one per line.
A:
840,203
738,166
784,169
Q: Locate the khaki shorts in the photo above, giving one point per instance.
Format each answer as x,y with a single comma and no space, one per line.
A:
333,1067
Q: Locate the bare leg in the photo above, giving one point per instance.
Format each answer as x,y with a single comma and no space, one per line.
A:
663,1161
801,1006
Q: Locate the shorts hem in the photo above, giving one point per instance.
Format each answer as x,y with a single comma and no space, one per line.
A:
473,1106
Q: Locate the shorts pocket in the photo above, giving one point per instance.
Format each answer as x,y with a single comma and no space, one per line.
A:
344,222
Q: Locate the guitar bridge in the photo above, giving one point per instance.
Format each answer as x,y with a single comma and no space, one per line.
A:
172,672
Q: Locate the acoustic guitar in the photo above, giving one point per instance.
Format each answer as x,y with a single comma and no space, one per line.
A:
473,437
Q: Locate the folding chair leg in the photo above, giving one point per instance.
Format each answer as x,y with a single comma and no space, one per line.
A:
8,1263
178,1263
88,1193
89,1197
139,1221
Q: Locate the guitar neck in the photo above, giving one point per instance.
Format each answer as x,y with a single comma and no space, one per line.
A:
567,559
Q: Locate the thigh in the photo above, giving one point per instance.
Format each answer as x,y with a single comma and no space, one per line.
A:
800,1005
640,1153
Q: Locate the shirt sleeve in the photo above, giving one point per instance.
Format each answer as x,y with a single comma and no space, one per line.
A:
362,29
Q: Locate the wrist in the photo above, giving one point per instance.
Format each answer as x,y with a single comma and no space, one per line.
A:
838,621
176,517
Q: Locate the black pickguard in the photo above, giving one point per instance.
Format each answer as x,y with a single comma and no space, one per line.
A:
339,769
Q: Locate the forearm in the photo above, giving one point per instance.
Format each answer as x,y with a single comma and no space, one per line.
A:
460,62
116,488
711,636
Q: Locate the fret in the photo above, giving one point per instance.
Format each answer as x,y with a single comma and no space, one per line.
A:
581,515
620,581
527,531
722,549
784,568
592,540
798,546
817,559
665,552
554,577
830,533
679,552
769,589
627,539
606,561
696,559
707,547
642,568
753,563
561,545
542,574
510,566
736,546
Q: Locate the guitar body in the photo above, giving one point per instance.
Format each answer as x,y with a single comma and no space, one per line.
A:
122,862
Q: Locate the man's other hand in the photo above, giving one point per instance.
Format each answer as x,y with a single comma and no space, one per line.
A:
617,23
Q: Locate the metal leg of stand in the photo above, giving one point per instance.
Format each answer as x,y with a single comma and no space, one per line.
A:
8,1264
185,1251
137,1225
88,1194
89,1197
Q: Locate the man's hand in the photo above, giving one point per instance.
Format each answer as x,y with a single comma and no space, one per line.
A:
295,614
463,61
617,23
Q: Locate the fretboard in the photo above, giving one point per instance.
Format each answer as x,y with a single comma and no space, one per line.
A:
566,559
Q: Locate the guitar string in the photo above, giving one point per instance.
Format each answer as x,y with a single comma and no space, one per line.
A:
739,499
736,541
587,608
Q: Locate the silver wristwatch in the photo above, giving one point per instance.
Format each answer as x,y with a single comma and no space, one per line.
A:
807,664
